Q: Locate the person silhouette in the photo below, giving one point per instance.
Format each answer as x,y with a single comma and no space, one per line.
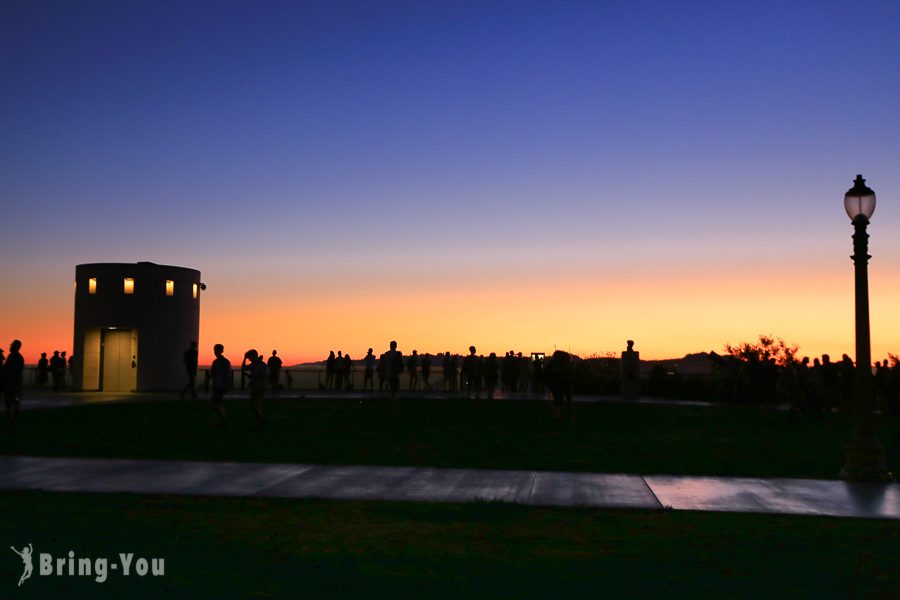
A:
339,366
274,364
472,368
369,379
190,369
12,381
73,364
25,554
510,372
245,367
380,369
491,374
329,370
220,371
830,383
63,368
426,371
256,373
454,372
393,367
43,369
847,371
348,372
446,367
412,365
558,377
537,373
57,371
2,361
288,378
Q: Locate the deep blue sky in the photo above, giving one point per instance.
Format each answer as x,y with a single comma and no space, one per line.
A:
357,136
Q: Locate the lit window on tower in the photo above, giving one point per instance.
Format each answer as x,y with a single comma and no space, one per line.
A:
92,285
129,285
170,287
195,291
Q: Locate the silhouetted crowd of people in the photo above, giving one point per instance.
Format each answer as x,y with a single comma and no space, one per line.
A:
473,374
12,375
54,369
809,388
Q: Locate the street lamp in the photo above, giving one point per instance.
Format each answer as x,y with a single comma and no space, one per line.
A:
865,455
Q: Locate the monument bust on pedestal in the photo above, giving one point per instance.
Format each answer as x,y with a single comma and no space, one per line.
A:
631,373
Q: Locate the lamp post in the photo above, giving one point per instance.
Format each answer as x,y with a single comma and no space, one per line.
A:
865,459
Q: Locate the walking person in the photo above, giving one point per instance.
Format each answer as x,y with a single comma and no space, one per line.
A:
12,381
190,369
558,377
220,372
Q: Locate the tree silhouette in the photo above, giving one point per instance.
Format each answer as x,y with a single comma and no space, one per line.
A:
766,348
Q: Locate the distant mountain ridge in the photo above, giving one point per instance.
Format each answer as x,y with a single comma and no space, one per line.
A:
697,363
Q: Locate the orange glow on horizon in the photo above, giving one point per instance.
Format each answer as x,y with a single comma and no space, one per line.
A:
667,314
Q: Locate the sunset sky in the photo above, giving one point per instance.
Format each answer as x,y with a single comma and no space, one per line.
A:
514,175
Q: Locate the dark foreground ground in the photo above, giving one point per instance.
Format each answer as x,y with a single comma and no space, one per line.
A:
263,548
606,437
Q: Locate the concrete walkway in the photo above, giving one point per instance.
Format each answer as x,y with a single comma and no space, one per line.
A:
538,488
43,398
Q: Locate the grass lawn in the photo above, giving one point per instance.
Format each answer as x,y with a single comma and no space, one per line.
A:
607,437
227,548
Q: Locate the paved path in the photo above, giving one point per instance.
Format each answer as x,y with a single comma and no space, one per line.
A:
37,399
539,488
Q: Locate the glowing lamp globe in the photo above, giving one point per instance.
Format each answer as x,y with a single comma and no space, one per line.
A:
859,201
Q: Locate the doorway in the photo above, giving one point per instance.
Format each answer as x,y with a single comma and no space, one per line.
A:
119,350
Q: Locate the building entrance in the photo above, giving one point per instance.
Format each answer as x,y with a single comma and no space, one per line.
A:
119,349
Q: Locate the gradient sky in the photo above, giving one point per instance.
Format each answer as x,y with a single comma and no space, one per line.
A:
515,175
